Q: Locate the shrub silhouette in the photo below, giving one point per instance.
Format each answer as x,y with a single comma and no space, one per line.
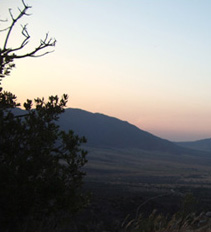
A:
40,165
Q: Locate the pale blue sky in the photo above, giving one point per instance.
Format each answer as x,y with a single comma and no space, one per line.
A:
143,61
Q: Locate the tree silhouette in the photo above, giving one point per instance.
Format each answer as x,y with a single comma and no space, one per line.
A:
40,165
8,55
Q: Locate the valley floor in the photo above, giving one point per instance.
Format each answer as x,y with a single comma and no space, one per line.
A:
126,184
115,203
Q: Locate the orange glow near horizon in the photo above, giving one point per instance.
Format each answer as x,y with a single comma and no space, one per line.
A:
114,57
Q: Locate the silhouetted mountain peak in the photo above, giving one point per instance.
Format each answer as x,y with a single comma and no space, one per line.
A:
106,131
109,132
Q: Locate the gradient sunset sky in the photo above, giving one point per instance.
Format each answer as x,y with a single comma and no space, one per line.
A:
147,62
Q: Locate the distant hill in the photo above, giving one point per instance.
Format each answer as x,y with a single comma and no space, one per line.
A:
104,131
201,145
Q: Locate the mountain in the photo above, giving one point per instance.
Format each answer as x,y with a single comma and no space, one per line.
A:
104,131
201,145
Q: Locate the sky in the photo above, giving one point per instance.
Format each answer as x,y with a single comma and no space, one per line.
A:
143,61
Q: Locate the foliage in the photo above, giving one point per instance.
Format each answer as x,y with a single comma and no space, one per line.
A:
189,205
40,165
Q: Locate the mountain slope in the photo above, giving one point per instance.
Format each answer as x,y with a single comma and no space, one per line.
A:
201,145
105,131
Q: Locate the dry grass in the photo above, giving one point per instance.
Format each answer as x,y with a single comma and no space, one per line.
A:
154,223
177,223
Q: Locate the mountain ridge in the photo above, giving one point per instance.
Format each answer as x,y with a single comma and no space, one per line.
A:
106,131
200,145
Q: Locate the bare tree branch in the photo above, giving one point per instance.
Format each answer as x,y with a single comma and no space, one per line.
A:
3,20
24,42
5,29
43,44
14,20
7,55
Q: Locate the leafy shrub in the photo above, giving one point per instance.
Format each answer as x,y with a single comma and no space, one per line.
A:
40,165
